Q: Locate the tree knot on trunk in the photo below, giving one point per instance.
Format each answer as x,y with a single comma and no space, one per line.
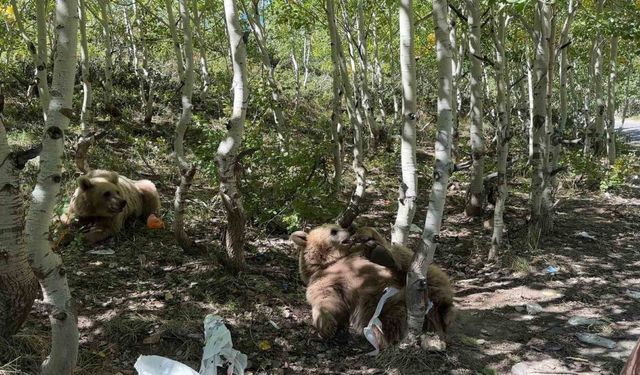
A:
55,132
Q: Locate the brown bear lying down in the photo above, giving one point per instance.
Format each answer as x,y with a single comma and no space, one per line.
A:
344,286
104,200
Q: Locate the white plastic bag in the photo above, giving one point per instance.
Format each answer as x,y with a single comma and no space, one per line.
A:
218,351
156,365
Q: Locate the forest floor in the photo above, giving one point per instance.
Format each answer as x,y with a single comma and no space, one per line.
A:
140,294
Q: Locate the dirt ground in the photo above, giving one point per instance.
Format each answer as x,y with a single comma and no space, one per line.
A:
140,294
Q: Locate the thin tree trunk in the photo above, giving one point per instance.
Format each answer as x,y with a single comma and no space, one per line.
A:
562,75
38,53
306,55
352,210
417,275
541,64
611,103
18,284
475,194
598,141
41,66
455,64
549,138
86,116
228,148
502,142
204,66
46,264
626,96
409,185
531,102
259,33
186,169
144,74
378,78
105,19
336,114
363,55
177,50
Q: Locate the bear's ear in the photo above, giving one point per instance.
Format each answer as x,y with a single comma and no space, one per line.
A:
112,177
85,183
299,238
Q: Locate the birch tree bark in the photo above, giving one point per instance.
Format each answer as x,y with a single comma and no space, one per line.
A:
204,65
502,133
38,53
541,63
363,59
409,185
598,140
105,19
417,275
143,71
562,75
259,33
86,116
337,124
46,264
186,169
228,148
550,138
611,102
353,207
475,194
18,284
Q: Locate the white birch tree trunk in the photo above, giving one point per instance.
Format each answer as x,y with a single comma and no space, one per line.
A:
174,37
503,104
144,73
598,141
417,275
228,148
363,58
562,75
540,66
378,78
611,102
46,264
18,284
353,207
475,194
86,116
549,140
186,169
105,19
38,52
409,185
259,33
41,66
337,124
531,100
204,65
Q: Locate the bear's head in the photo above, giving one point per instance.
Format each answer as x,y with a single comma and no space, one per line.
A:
322,245
99,196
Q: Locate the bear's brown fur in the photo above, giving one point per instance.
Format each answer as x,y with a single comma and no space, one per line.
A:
104,200
344,287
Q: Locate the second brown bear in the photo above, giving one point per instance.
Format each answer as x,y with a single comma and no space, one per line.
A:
104,200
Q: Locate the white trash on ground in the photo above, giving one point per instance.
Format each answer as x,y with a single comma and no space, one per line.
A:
218,352
375,322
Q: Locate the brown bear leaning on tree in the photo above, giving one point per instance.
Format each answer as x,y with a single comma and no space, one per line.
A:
104,200
344,287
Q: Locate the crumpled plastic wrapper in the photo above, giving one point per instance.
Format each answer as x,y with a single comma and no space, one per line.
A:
218,352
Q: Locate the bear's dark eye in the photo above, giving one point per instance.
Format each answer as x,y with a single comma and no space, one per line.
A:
334,232
107,194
